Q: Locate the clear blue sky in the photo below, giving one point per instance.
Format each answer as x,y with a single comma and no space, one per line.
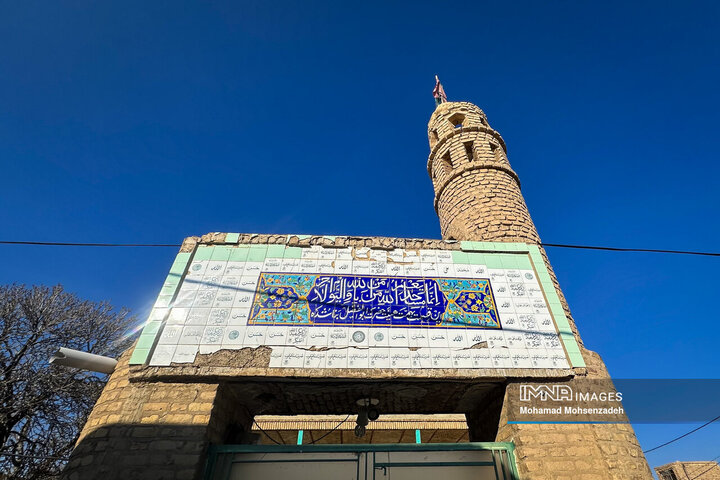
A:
151,121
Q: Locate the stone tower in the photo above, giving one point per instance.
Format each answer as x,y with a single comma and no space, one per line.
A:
478,198
477,193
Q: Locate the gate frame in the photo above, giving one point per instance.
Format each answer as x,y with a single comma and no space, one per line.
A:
496,448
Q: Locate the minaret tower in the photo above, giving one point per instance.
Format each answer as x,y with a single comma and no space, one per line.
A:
477,193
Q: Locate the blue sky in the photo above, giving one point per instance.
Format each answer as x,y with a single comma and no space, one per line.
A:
152,121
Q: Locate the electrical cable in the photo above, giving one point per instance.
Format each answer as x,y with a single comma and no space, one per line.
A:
552,245
707,470
682,436
328,433
266,434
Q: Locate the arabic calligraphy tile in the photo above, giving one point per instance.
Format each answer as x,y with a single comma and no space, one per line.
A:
318,337
197,268
224,299
428,256
314,360
339,337
441,358
276,356
457,338
420,358
540,359
358,358
252,269
394,269
255,335
500,358
419,337
445,269
212,335
312,252
378,337
343,267
359,336
197,316
234,337
475,337
520,358
162,356
290,265
378,268
215,268
308,266
438,337
218,316
501,290
396,255
533,341
444,256
243,299
429,270
185,354
204,299
272,265
497,275
479,271
326,266
234,269
297,336
276,335
361,267
170,335
191,335
481,358
399,337
412,270
528,276
463,270
514,340
400,358
379,358
328,254
551,342
461,358
336,359
558,360
496,340
544,323
344,254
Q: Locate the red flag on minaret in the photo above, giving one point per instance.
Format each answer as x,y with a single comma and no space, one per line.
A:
439,92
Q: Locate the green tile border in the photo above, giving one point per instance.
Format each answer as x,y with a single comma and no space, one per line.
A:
232,237
275,251
156,319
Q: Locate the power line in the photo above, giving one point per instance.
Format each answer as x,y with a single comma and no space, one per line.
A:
331,431
646,250
682,436
553,245
80,244
707,470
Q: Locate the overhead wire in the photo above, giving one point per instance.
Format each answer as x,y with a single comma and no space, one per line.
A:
552,245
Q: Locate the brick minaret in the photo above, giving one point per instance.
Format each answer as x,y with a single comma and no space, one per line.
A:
477,197
477,193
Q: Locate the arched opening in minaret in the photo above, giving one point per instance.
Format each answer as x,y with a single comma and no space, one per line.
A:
457,120
469,151
446,163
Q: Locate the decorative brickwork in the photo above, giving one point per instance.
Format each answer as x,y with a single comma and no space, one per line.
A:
478,198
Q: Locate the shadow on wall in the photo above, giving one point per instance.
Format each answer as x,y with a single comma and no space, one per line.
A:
139,452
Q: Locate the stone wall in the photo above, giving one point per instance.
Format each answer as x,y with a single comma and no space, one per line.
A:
689,471
146,431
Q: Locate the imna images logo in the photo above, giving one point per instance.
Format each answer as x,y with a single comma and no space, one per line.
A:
545,392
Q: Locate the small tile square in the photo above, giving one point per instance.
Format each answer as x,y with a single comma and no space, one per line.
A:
162,356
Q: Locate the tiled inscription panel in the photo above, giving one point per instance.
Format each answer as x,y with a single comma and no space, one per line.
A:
359,308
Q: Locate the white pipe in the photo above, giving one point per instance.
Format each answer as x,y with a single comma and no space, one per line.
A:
68,357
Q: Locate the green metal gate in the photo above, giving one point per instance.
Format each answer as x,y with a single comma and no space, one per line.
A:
429,461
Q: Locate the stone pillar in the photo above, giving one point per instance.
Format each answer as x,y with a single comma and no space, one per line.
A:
144,430
477,197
